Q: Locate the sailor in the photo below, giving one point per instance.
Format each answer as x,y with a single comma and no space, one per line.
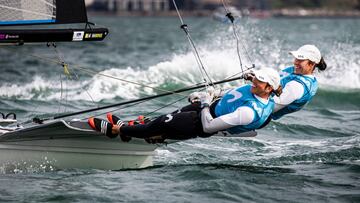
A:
298,81
241,109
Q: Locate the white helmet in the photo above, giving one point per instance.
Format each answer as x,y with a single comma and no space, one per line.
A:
310,52
269,76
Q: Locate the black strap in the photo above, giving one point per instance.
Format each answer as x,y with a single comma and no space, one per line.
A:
212,107
10,114
3,116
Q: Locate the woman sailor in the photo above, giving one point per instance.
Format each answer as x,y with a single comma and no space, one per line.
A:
298,81
239,110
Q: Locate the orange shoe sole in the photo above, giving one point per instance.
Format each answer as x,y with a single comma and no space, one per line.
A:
92,123
109,117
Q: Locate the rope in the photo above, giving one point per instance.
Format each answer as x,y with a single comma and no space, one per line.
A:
238,41
117,109
91,72
61,60
202,69
68,73
238,73
152,112
172,103
61,93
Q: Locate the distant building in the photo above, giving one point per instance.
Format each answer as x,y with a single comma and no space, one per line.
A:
242,4
151,6
210,4
253,4
131,5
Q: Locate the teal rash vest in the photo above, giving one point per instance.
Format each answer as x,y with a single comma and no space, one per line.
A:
241,97
310,87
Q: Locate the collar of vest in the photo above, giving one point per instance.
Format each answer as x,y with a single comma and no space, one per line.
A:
264,101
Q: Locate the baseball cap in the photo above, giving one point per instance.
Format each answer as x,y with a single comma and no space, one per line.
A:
310,52
269,76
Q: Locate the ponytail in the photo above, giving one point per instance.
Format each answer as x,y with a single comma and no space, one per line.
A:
321,65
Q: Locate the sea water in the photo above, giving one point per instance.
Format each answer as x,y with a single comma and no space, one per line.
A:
309,156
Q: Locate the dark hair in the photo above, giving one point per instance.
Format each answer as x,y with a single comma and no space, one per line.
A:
278,91
321,65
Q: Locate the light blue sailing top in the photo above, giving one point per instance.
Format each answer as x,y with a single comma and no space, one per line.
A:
242,97
310,87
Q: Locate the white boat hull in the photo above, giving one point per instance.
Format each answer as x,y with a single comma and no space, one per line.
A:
62,146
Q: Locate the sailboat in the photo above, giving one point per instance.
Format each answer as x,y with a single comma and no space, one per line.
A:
55,141
60,143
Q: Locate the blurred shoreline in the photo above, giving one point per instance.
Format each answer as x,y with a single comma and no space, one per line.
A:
279,13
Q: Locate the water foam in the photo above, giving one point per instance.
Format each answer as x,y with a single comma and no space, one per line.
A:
343,67
219,56
182,69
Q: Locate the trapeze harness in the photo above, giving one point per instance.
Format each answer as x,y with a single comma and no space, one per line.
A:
309,84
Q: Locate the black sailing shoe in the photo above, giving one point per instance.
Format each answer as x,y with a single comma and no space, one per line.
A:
102,126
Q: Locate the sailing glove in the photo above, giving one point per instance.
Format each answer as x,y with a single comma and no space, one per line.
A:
194,97
199,96
206,99
249,76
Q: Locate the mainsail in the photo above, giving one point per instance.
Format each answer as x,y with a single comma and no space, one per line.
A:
33,12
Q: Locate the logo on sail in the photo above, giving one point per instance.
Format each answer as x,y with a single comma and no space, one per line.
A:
93,35
78,36
6,36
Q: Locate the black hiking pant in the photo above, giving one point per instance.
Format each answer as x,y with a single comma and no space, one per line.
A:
179,125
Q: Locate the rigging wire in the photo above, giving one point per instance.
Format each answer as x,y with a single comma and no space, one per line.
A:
61,59
140,102
174,102
202,69
61,93
68,73
137,101
241,72
89,71
117,109
92,73
61,62
238,41
156,110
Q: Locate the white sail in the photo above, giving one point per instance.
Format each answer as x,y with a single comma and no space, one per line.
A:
31,11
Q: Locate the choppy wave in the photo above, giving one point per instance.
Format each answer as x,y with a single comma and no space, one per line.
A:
338,99
268,149
180,71
267,47
343,66
313,154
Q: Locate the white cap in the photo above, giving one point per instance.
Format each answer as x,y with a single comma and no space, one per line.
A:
309,52
268,75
